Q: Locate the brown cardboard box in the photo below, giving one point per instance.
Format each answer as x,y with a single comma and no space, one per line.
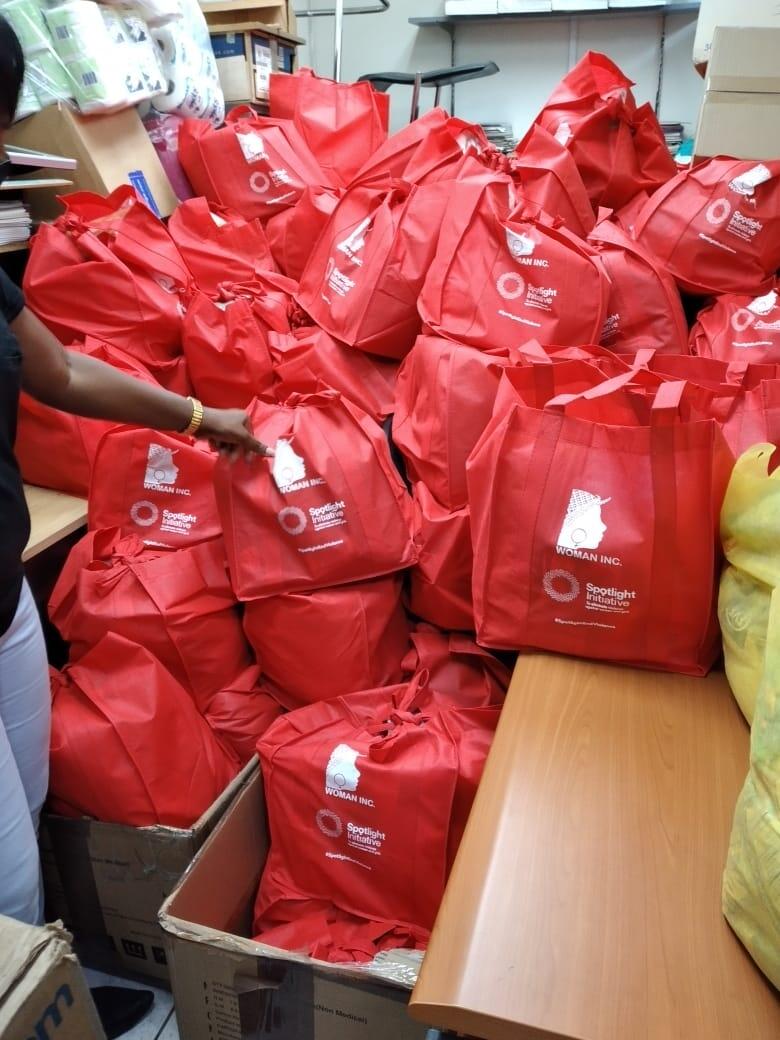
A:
227,987
745,60
729,12
246,59
107,882
43,992
111,150
745,126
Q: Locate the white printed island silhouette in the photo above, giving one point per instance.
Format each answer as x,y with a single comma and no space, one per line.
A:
288,467
583,527
160,467
342,773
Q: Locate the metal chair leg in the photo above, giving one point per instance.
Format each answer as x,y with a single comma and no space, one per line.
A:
338,41
436,96
416,97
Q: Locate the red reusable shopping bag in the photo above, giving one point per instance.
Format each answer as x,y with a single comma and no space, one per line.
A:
128,745
443,401
293,233
179,605
157,486
56,450
309,359
717,227
314,646
241,712
342,123
739,329
218,245
460,673
138,283
440,582
546,174
360,793
364,276
645,309
256,166
227,354
619,148
498,281
595,525
329,508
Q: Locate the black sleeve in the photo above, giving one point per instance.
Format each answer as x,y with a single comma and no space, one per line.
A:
11,298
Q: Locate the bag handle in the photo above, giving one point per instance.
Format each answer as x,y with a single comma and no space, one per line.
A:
666,403
605,389
236,115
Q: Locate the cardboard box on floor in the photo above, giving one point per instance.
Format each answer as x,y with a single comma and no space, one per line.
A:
111,150
43,992
107,882
227,987
752,13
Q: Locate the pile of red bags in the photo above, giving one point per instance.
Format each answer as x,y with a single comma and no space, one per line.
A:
492,430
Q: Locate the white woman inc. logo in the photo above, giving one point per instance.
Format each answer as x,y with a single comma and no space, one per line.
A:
583,527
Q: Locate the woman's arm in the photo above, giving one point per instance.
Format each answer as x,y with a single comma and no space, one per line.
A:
85,386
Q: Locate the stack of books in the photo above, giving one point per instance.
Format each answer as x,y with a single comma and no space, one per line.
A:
501,135
673,135
15,222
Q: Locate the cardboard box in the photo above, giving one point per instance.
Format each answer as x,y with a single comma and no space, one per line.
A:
745,60
745,126
227,987
43,992
107,882
750,13
229,15
246,59
111,150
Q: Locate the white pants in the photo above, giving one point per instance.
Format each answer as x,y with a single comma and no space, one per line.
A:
25,715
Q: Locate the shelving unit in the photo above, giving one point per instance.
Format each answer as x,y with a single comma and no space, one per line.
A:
450,22
14,247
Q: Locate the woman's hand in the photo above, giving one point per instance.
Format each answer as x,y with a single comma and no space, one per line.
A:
229,431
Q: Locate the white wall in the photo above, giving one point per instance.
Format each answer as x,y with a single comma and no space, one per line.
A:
532,56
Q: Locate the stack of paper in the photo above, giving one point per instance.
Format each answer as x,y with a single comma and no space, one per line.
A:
38,160
501,135
15,224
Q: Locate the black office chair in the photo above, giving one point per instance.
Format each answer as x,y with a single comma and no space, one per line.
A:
438,78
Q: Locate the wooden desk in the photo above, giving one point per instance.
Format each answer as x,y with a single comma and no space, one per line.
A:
585,901
53,516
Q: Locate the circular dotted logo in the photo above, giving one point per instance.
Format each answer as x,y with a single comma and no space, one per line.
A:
144,514
510,285
329,823
742,320
260,182
561,586
292,520
718,212
736,619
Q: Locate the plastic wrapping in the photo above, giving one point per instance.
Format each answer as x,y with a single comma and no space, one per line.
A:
184,48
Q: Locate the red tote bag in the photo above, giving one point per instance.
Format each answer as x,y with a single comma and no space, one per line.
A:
138,281
180,606
293,233
227,353
219,245
364,276
241,712
645,309
253,165
309,359
461,674
440,582
546,174
128,745
157,486
717,227
619,149
57,450
360,793
498,281
329,509
739,330
612,551
342,123
314,646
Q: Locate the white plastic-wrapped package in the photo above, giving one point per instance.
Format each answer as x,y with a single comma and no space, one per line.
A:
187,58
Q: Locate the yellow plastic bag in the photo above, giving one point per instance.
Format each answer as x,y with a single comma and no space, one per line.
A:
750,614
750,531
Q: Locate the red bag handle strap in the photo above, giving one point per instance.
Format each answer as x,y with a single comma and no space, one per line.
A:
236,115
605,389
666,403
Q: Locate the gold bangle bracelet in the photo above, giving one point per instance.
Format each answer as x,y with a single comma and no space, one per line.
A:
197,417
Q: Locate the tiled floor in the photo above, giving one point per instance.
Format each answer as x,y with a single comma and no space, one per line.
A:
159,1024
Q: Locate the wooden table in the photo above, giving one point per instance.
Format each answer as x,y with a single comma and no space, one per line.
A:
585,901
53,516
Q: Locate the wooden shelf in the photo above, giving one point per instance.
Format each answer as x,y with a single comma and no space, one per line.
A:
451,21
53,516
14,247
